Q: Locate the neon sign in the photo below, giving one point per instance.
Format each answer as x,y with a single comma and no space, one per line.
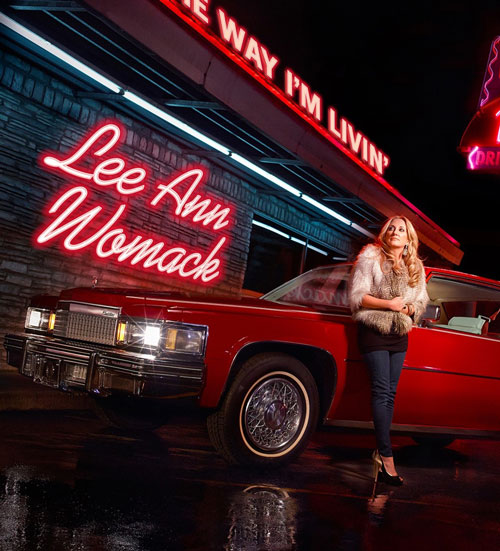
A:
256,59
486,158
491,84
82,223
480,143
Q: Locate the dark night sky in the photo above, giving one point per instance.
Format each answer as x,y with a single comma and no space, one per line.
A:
409,78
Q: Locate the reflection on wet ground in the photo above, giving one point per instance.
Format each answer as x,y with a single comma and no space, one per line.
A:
68,481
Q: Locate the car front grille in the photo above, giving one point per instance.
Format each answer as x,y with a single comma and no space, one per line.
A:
87,323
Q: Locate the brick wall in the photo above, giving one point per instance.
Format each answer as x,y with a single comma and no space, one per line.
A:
40,113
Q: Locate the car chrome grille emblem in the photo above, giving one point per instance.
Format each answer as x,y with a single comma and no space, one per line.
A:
86,322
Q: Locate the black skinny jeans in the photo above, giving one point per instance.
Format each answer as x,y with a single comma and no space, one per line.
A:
385,368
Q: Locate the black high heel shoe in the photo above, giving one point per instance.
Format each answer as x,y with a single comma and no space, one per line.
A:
379,472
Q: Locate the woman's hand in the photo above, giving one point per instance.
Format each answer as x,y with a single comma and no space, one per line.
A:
397,304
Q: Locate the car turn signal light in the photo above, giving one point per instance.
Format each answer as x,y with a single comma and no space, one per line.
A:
52,321
120,332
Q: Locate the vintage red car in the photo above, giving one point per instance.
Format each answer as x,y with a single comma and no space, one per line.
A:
271,368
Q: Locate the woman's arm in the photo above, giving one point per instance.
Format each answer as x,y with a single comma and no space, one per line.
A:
395,304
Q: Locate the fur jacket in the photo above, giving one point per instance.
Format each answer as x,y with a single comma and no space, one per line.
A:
370,278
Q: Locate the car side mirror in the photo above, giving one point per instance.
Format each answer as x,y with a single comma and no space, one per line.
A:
431,314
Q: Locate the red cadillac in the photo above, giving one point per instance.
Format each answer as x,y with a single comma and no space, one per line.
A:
270,368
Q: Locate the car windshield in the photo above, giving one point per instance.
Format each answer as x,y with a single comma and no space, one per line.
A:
323,289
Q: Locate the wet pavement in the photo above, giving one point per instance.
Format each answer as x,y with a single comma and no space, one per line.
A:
70,481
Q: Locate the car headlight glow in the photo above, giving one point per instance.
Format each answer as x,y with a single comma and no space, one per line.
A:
162,336
37,318
144,334
151,336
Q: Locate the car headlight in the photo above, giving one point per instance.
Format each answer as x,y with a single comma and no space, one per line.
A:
185,340
40,319
142,335
166,336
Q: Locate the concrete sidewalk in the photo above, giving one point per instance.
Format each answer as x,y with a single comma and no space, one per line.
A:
18,393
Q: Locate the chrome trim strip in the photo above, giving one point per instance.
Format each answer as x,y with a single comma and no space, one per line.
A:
429,369
13,341
308,309
416,429
88,304
462,333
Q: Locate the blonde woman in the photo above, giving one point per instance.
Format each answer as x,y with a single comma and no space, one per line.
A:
387,295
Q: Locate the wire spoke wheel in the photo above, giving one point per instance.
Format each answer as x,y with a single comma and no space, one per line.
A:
268,413
273,413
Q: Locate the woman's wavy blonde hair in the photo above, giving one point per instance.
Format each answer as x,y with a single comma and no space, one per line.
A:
411,259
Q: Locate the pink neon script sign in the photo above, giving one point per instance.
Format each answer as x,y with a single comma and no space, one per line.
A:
84,224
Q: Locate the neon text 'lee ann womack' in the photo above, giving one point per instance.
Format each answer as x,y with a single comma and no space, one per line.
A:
74,214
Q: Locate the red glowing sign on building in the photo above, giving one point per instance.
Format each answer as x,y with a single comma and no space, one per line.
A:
234,40
85,224
480,143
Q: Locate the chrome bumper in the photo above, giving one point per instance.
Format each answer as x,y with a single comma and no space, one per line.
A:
101,370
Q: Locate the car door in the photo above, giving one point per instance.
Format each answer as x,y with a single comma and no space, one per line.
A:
451,375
